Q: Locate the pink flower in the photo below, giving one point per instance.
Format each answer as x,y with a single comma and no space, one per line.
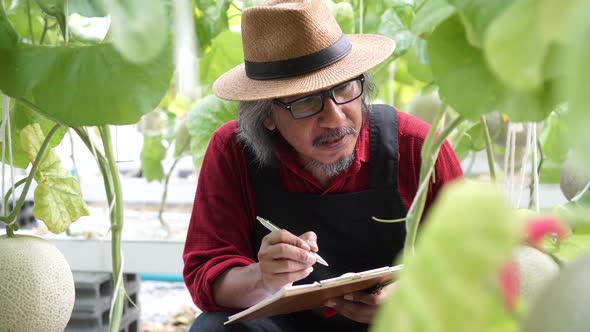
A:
539,227
509,283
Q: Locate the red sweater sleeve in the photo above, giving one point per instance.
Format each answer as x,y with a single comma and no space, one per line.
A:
222,218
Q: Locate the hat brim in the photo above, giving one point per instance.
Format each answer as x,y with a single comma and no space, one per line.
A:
367,52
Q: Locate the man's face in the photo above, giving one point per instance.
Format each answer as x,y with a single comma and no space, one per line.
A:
325,137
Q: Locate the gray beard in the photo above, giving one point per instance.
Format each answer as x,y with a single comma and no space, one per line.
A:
331,169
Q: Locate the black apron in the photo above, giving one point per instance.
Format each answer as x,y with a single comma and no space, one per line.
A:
349,239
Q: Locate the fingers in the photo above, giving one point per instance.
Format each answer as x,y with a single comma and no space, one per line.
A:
283,236
284,245
284,258
356,311
360,306
311,239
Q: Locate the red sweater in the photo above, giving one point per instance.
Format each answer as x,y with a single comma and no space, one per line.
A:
223,217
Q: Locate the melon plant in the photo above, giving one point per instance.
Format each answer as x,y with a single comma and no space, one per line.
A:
37,288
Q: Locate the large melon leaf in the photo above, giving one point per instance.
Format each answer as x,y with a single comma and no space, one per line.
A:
81,86
139,28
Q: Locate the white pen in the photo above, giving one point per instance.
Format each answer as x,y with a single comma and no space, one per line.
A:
272,227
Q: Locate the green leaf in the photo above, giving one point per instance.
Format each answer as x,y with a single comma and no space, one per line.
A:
206,116
518,40
534,106
477,15
225,53
574,245
85,86
8,37
449,285
578,70
463,141
139,29
468,85
550,172
402,3
58,198
19,17
419,70
210,20
430,15
52,7
87,8
406,15
57,9
465,82
182,140
555,139
564,305
576,215
250,3
152,154
344,14
20,118
393,27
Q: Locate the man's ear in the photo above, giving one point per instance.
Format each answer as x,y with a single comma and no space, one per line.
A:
269,123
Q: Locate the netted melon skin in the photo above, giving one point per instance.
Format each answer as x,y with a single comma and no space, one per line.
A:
37,290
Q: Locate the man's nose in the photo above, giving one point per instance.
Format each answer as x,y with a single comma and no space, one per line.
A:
332,116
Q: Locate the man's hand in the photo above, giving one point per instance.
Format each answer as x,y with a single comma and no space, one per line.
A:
360,306
285,258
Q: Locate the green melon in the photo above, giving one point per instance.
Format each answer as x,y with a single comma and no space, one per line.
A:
36,285
573,178
425,107
535,271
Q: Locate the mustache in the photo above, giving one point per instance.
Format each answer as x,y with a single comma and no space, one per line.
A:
333,135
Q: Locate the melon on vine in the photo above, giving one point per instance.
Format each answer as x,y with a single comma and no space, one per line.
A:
36,285
535,270
573,178
425,107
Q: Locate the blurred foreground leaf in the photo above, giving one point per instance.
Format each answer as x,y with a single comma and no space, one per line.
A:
449,284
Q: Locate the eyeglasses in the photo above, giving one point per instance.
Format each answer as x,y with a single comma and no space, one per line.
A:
311,105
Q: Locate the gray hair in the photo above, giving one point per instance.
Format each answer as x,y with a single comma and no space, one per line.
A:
261,141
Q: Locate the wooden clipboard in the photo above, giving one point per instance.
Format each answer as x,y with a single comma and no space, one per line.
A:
310,296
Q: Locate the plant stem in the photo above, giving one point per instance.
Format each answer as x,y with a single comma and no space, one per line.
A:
74,166
116,230
538,170
165,194
166,182
9,192
106,168
9,229
21,200
429,154
235,6
31,34
101,161
489,147
44,33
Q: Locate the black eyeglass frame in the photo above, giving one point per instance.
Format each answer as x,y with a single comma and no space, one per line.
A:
323,94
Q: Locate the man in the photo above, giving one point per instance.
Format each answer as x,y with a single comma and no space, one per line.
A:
310,155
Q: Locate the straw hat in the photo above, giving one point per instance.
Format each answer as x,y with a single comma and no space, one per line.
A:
296,46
